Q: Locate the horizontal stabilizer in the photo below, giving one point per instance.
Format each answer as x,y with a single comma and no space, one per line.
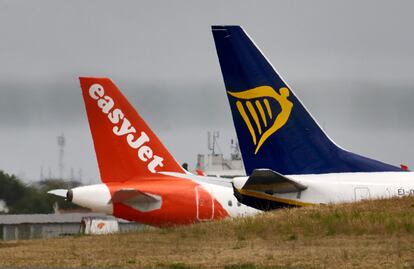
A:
141,201
270,182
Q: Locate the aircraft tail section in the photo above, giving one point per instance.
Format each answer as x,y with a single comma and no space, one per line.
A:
125,146
274,129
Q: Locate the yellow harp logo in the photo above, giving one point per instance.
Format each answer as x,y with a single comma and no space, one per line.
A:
265,122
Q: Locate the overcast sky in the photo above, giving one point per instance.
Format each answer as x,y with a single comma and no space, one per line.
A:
351,63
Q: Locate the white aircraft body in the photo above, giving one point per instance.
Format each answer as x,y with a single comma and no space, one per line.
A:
303,190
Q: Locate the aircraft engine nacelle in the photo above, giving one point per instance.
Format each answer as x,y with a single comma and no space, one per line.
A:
95,197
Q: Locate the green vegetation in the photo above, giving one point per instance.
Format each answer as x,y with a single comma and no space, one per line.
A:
369,234
20,198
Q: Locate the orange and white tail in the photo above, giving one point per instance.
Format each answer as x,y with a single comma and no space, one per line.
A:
125,146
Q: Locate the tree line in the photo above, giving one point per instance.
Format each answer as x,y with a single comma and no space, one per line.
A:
16,197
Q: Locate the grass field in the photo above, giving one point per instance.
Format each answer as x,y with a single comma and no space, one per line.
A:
370,234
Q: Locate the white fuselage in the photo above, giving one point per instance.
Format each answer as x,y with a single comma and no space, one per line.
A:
98,197
225,196
220,189
346,187
321,189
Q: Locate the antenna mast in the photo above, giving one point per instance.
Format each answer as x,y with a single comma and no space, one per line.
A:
61,145
211,141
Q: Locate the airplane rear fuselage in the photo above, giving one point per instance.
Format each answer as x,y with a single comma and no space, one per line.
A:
335,188
181,200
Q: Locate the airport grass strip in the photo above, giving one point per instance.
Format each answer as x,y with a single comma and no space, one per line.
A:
369,234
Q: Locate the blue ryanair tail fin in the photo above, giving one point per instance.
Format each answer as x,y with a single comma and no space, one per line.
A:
274,129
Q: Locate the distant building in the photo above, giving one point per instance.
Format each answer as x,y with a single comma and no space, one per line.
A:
214,164
18,227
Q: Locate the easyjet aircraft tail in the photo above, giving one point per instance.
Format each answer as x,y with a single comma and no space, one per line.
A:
274,129
124,144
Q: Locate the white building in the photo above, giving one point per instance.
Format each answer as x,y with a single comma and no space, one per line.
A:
215,164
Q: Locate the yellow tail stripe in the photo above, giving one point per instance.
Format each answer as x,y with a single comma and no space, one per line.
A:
246,120
254,116
269,111
261,111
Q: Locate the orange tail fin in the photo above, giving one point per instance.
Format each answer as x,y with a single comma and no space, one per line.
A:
125,146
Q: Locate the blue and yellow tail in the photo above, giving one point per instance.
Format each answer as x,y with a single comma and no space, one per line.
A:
273,127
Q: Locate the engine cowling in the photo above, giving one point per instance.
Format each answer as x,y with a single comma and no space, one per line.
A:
95,197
